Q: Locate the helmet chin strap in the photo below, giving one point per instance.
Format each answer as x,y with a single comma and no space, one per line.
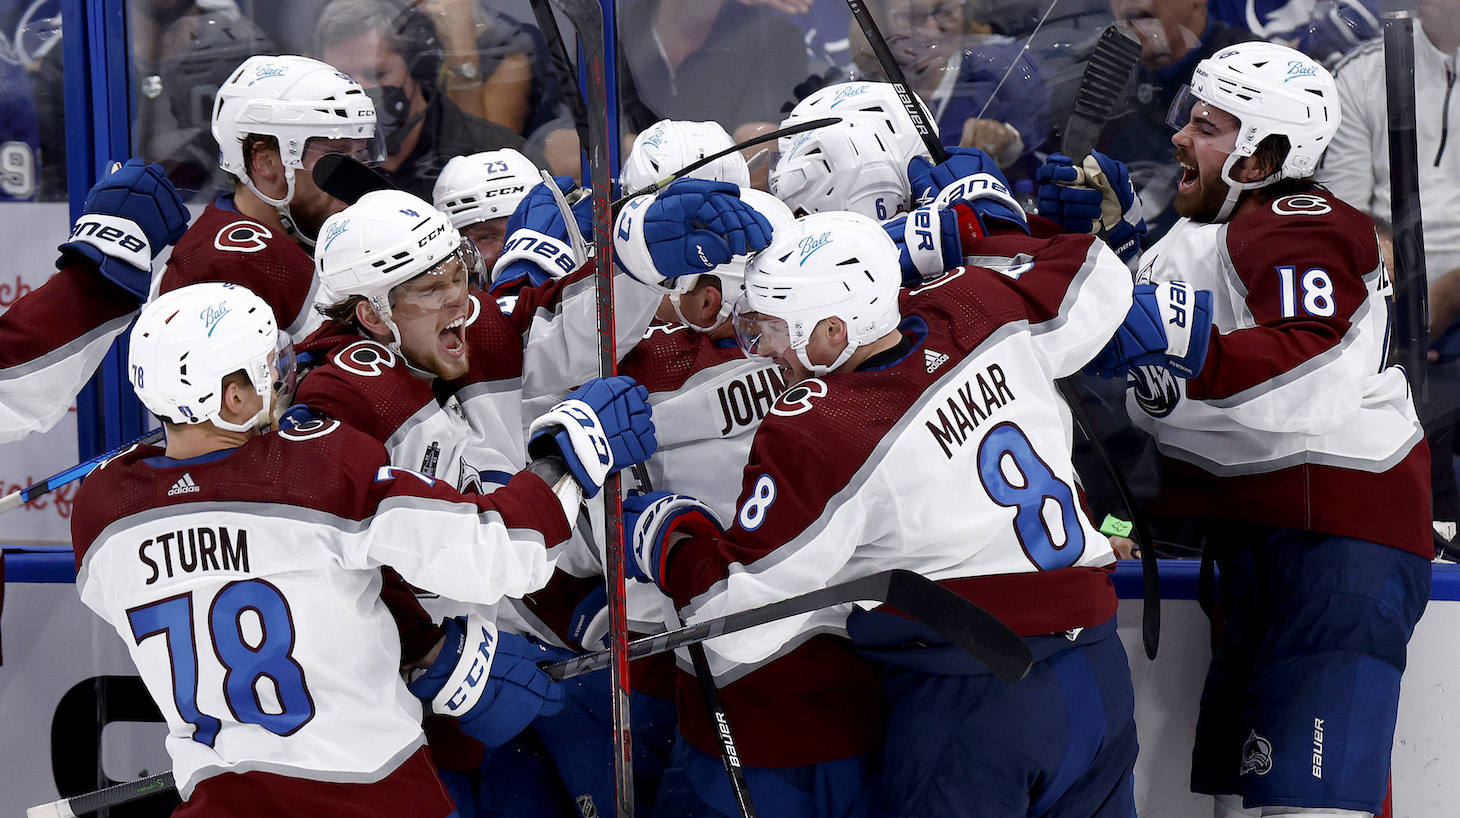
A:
820,370
1236,188
282,206
719,318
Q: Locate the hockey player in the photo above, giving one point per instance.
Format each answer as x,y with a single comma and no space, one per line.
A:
480,191
52,338
267,548
911,405
1296,450
273,119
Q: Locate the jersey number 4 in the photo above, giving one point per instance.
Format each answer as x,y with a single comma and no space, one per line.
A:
245,665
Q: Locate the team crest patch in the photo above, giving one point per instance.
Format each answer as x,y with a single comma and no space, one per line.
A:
933,360
242,237
1156,390
1256,755
1300,204
797,399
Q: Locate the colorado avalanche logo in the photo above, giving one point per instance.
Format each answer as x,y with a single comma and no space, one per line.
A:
365,358
242,237
1256,755
797,399
1301,204
1156,390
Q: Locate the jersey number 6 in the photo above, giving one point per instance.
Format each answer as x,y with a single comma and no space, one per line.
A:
244,665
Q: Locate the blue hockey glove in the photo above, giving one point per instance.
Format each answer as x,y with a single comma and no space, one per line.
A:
538,248
589,625
970,178
130,215
1093,197
930,247
689,227
650,518
1169,324
489,681
605,425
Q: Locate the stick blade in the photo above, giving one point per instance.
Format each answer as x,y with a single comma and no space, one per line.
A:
1105,76
979,633
347,178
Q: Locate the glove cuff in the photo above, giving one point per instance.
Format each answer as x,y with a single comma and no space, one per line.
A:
475,646
118,238
587,451
551,255
631,249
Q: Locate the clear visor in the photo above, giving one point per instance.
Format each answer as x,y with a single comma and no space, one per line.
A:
447,282
286,375
366,151
760,335
1203,120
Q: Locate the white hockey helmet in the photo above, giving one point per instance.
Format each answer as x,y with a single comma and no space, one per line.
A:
383,240
188,340
854,165
879,98
1272,90
484,186
293,99
671,145
822,265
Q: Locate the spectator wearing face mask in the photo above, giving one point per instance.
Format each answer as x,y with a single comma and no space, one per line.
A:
394,51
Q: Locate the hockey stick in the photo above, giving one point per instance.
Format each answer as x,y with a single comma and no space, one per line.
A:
789,130
963,623
112,796
347,178
588,20
1104,79
562,66
729,754
898,80
16,499
1411,307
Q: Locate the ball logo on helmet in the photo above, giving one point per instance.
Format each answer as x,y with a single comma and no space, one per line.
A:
268,70
811,244
1301,68
847,92
212,315
336,230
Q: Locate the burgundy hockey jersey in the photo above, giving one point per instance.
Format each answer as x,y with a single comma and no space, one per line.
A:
952,460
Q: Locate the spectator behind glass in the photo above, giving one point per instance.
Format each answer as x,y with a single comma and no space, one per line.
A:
495,66
19,129
1356,169
1175,36
393,50
724,60
1323,29
955,62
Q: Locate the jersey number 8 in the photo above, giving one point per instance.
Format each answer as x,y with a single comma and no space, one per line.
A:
1029,495
244,664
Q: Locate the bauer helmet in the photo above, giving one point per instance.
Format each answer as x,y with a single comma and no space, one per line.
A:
295,100
484,186
877,98
668,146
383,240
853,165
188,340
1271,90
826,264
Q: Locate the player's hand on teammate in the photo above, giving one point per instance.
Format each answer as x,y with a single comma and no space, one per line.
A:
1095,196
515,690
928,243
654,522
968,179
1169,324
689,227
130,215
538,248
605,425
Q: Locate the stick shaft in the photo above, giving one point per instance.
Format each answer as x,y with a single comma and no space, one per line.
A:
16,499
898,80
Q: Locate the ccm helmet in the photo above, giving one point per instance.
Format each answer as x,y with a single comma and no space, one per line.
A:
188,340
670,145
854,165
1272,90
484,186
293,99
822,265
383,240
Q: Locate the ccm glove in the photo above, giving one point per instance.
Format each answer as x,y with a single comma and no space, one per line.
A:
1093,197
488,681
691,226
130,215
1169,324
650,518
537,249
605,425
927,242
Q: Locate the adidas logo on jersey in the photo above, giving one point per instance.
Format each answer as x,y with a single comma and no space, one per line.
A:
184,485
934,360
